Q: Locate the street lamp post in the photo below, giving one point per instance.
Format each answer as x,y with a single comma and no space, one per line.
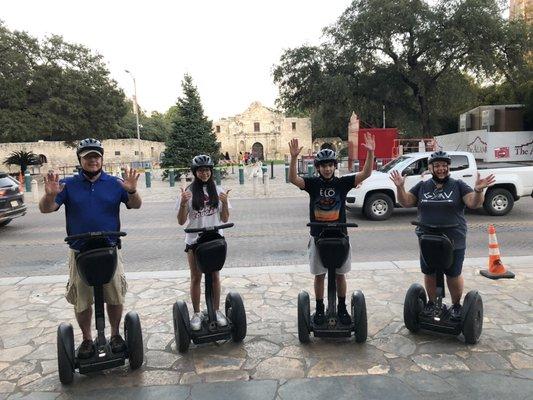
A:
136,112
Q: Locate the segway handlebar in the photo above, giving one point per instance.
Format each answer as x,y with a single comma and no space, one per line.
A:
92,235
209,228
434,227
333,224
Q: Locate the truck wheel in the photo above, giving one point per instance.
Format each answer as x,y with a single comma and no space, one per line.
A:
378,207
498,201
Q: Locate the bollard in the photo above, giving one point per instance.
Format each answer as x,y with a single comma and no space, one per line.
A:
265,180
286,172
35,190
27,181
183,181
271,169
310,170
241,174
379,163
232,168
171,178
254,183
218,178
264,172
355,167
148,178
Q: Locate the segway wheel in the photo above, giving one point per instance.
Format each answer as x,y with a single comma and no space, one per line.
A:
359,316
304,317
415,300
181,326
134,339
237,315
65,353
472,317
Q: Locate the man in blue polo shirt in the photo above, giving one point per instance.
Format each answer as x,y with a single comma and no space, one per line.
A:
92,203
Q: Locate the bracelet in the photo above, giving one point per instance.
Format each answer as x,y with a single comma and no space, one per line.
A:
478,191
135,191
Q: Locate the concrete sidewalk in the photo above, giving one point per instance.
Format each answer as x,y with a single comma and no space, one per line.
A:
271,363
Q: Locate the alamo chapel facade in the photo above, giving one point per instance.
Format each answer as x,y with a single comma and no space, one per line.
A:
263,132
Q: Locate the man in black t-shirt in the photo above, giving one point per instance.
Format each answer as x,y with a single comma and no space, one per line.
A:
327,203
442,201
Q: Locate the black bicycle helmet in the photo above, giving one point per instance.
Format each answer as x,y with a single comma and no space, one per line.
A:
439,156
88,145
324,156
201,160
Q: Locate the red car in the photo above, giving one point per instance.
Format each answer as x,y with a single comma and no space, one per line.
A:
11,200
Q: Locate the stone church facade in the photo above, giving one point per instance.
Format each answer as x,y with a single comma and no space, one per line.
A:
262,132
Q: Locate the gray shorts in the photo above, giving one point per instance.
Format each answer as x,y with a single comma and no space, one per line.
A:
315,263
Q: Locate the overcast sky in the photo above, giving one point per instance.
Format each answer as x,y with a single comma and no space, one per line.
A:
229,47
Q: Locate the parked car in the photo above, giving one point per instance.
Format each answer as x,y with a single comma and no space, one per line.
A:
376,196
11,200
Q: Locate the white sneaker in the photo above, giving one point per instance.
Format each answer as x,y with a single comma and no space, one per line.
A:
221,319
196,321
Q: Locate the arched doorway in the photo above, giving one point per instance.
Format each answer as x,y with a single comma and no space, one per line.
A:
257,151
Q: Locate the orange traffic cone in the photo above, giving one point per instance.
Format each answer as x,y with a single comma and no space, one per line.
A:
496,268
21,182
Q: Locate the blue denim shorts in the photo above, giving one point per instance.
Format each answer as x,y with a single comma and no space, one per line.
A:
454,271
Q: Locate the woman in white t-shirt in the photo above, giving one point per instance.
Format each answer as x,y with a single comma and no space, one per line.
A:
203,204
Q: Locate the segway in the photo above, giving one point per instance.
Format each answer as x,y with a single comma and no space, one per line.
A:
96,263
210,253
333,246
437,251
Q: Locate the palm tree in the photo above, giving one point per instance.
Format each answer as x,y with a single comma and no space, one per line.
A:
23,159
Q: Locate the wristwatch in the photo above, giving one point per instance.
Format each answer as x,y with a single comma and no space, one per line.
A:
478,191
133,192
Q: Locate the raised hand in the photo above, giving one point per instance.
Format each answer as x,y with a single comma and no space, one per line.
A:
185,196
130,181
224,197
397,178
293,148
52,186
485,182
370,142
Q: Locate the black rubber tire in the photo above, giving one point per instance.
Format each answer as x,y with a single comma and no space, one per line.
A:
498,201
134,339
472,317
65,353
359,316
415,300
304,317
378,207
237,315
182,336
4,223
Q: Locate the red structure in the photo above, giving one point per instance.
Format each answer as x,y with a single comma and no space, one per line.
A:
385,142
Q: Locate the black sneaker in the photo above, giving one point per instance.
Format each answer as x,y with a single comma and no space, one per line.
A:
429,309
117,344
86,349
455,312
344,317
319,318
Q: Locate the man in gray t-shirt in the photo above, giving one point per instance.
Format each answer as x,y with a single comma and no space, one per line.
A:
442,200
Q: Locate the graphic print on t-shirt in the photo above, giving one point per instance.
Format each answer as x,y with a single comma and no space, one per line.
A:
327,205
438,195
205,211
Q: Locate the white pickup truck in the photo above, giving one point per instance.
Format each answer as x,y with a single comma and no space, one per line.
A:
376,196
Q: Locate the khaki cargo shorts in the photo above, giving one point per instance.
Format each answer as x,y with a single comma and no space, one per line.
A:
315,263
81,295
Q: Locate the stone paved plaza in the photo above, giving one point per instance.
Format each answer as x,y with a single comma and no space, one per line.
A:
271,363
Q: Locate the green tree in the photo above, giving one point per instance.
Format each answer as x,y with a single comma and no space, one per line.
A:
415,58
54,90
23,159
191,133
